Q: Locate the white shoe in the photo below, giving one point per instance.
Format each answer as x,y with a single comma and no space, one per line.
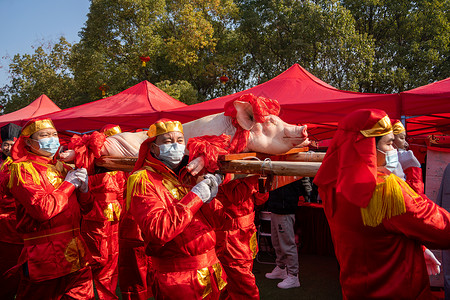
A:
277,273
290,282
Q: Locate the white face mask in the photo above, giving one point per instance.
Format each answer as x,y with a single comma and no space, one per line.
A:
391,159
171,154
49,145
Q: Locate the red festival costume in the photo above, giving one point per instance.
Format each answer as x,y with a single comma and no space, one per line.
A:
377,221
11,243
135,273
236,237
100,227
54,257
177,235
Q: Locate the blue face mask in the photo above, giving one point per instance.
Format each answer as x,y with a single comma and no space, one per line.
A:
171,154
391,159
50,144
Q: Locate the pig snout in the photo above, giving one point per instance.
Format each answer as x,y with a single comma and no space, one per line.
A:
297,135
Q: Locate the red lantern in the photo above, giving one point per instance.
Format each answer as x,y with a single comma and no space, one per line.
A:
103,88
223,79
144,60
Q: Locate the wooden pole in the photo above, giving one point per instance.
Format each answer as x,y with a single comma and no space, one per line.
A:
286,168
298,164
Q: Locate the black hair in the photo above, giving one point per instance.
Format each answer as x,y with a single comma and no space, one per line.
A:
377,139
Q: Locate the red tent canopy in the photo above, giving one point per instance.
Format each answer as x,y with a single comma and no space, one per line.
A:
430,107
136,107
41,106
304,99
428,99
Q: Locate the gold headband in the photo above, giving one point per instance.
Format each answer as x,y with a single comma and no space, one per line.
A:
112,131
36,126
164,127
398,128
382,127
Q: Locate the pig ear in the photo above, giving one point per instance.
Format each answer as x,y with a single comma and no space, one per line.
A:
244,114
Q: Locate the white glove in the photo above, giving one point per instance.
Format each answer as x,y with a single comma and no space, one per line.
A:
407,159
215,181
433,265
73,178
82,175
207,188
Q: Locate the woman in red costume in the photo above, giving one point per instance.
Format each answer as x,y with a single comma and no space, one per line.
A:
177,235
54,258
377,221
100,227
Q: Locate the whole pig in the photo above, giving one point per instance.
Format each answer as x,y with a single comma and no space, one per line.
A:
274,136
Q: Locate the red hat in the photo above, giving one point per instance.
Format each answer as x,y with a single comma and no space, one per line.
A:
159,127
19,151
350,164
110,129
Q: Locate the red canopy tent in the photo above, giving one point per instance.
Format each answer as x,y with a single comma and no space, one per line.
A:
135,107
304,99
428,107
41,106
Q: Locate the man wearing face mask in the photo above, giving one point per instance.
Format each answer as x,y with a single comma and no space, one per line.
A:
53,262
377,221
408,168
177,235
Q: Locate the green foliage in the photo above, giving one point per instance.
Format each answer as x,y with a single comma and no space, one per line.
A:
180,90
45,71
360,45
411,41
321,38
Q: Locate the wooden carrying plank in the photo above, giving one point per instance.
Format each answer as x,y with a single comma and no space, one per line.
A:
297,164
288,168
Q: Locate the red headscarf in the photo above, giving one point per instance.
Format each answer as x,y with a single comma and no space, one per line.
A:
350,164
19,150
261,106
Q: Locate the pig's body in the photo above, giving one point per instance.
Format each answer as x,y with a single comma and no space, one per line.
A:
274,136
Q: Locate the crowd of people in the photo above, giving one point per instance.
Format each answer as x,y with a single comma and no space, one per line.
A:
175,229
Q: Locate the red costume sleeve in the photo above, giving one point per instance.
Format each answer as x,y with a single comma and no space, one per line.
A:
414,179
423,221
160,217
41,204
238,190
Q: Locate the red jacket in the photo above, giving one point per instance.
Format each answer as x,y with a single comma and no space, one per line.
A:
8,221
177,236
48,217
386,261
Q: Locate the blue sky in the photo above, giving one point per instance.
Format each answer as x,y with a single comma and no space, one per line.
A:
26,23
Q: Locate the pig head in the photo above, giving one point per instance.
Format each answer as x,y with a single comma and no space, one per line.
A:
273,136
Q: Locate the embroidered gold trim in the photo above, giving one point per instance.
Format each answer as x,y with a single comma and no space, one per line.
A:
36,126
164,127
